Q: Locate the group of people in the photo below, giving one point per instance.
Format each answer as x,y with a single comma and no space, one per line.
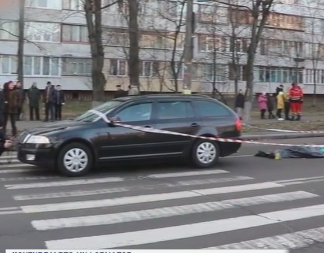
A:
289,102
132,91
13,97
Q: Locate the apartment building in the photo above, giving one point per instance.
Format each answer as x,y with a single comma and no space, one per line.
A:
56,48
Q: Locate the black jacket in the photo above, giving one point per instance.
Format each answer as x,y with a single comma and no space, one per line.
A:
120,93
1,101
240,100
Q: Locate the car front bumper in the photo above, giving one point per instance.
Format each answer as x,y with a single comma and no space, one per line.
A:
39,155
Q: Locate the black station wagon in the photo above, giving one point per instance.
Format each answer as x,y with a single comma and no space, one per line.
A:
74,147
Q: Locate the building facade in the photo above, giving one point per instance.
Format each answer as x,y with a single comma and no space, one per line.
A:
57,49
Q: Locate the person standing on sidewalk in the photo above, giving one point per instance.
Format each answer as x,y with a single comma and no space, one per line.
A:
287,105
49,98
280,105
59,101
34,96
1,105
270,106
296,99
21,94
239,104
262,101
11,97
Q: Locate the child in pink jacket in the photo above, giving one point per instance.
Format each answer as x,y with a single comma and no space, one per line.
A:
262,101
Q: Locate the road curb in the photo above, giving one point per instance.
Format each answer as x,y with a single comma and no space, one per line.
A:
281,136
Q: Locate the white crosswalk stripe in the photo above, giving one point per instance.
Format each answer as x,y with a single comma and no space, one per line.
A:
163,208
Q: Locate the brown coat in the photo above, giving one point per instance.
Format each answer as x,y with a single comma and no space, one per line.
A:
11,101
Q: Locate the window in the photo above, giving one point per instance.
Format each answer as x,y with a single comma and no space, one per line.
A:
41,66
217,73
314,76
278,75
8,30
43,32
118,68
210,109
175,110
8,64
74,33
210,44
285,21
212,13
76,66
282,48
149,68
139,112
89,116
75,5
177,9
48,4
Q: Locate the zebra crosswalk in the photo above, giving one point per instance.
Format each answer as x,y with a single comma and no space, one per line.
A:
183,208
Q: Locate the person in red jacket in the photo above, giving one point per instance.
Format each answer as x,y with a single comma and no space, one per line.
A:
296,100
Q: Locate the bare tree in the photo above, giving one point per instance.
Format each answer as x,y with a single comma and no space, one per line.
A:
93,14
253,13
171,35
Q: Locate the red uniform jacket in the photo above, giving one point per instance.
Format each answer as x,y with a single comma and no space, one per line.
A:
296,94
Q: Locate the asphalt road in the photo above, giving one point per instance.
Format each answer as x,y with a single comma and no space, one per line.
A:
244,202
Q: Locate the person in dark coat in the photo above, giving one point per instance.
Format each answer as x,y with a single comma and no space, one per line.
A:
270,106
11,105
120,92
22,97
1,105
34,96
58,102
5,143
239,104
48,99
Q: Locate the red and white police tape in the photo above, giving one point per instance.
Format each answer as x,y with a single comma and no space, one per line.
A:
158,131
283,130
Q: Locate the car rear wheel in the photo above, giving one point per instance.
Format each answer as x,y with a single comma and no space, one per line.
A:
75,160
205,153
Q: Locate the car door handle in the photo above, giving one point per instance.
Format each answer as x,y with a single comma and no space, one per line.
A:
194,125
148,127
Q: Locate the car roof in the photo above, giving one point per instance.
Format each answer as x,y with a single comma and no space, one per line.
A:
162,96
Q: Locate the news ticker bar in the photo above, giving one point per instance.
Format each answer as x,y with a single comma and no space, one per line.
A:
151,251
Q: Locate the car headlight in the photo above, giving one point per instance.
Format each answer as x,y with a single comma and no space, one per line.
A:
38,139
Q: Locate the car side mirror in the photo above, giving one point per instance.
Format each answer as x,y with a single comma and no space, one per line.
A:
113,120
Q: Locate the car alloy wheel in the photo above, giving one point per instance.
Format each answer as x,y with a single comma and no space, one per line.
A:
206,152
75,160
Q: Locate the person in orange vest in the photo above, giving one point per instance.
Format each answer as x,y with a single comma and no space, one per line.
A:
296,100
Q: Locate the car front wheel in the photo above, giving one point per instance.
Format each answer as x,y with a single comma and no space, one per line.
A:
75,160
205,153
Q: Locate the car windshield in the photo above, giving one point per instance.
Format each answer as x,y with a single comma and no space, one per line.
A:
104,108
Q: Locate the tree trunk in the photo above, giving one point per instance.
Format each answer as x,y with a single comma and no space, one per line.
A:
315,87
133,61
94,24
21,42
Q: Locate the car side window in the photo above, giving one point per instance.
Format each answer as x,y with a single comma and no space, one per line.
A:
211,109
138,112
175,110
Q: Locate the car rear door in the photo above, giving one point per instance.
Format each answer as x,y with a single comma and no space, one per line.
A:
216,117
177,116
